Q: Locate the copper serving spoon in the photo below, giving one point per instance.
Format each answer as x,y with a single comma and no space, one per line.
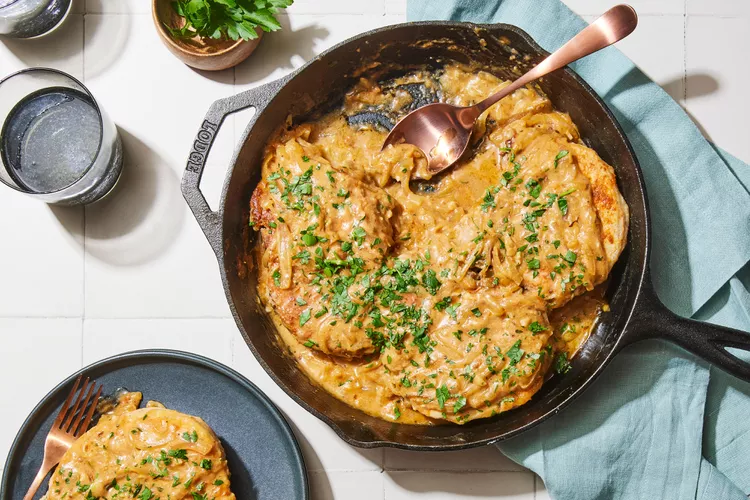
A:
442,131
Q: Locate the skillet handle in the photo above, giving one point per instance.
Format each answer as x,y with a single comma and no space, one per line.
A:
652,319
208,220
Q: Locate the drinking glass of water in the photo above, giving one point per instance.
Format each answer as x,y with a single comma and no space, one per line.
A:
56,143
31,18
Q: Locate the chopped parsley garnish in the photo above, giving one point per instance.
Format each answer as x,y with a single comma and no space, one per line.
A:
191,437
304,317
570,257
358,235
488,200
536,327
515,353
452,311
443,303
562,154
534,188
460,403
430,282
206,464
179,454
303,256
562,365
442,394
308,237
476,312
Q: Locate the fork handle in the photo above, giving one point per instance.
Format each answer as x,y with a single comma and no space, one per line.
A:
43,470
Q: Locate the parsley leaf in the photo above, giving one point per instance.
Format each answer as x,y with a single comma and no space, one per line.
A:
442,394
431,283
570,257
488,200
536,327
304,317
562,154
358,235
515,353
562,365
226,18
442,304
460,403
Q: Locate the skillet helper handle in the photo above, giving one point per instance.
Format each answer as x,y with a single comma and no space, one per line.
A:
208,220
652,319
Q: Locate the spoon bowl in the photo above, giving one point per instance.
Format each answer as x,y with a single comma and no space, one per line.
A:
442,131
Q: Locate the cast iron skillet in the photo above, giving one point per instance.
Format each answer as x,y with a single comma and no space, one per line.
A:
636,313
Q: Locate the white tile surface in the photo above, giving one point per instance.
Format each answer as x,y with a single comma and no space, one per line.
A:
717,82
346,485
208,337
303,37
61,49
458,486
42,269
724,8
487,458
37,355
143,275
118,6
369,8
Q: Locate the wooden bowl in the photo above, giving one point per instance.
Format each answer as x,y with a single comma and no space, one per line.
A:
199,53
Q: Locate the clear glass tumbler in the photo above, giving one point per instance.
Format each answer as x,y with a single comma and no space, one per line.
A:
31,18
56,143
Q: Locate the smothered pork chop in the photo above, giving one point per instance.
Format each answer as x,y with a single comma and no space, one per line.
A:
148,453
433,301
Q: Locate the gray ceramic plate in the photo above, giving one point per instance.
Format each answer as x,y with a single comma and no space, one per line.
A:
264,457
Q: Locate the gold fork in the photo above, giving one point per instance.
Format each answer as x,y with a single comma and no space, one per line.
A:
68,426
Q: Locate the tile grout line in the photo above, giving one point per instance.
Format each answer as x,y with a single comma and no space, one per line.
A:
83,270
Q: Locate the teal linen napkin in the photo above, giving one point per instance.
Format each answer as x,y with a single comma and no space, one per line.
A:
659,423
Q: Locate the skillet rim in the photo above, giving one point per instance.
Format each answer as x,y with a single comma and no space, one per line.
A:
639,277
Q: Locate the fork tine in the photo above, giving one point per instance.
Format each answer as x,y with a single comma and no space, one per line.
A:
85,425
65,406
73,412
78,416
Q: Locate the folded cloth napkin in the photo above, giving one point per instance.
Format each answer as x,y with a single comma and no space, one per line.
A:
658,423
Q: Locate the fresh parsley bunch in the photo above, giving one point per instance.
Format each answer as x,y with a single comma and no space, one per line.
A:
233,19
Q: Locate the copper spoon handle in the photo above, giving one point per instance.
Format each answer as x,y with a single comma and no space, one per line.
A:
614,25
